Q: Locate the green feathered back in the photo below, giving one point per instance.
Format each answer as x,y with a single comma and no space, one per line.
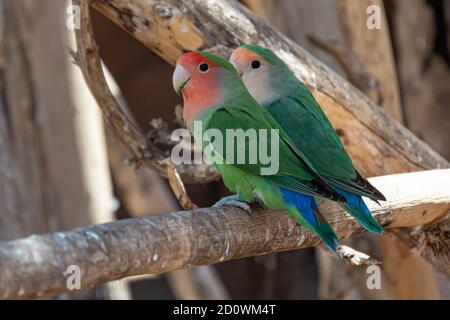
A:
312,133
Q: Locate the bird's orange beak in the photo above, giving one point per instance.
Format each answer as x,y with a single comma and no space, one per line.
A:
180,78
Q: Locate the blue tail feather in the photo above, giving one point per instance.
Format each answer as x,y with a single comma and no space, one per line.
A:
357,208
310,216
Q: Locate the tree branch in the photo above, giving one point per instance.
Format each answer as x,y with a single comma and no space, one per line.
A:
35,266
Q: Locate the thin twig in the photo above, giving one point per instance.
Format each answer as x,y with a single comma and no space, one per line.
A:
177,185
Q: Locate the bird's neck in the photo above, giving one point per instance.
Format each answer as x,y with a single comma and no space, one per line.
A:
197,101
261,88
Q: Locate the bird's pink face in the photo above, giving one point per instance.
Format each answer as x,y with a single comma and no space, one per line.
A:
247,61
197,79
254,72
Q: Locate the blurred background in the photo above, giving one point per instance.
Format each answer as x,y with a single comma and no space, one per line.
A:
61,167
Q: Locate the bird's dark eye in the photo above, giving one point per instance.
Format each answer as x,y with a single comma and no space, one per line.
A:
203,67
256,64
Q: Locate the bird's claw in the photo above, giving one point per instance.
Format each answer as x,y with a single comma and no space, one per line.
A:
353,257
233,202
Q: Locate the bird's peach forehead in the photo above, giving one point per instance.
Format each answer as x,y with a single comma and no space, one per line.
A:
193,58
243,54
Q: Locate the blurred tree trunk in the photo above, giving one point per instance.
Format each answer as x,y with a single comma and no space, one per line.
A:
25,197
424,74
372,48
57,175
39,107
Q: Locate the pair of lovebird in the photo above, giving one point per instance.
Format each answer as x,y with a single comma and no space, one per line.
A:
257,90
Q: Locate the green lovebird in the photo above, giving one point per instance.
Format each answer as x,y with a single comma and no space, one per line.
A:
275,87
215,96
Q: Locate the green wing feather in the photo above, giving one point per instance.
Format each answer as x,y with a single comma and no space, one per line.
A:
295,171
314,135
304,120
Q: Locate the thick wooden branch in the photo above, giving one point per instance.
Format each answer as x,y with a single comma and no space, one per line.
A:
378,144
36,266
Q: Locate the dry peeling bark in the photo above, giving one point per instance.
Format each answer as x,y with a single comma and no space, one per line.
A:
171,27
432,241
35,266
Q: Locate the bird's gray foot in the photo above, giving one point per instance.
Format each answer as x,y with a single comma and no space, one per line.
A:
234,202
